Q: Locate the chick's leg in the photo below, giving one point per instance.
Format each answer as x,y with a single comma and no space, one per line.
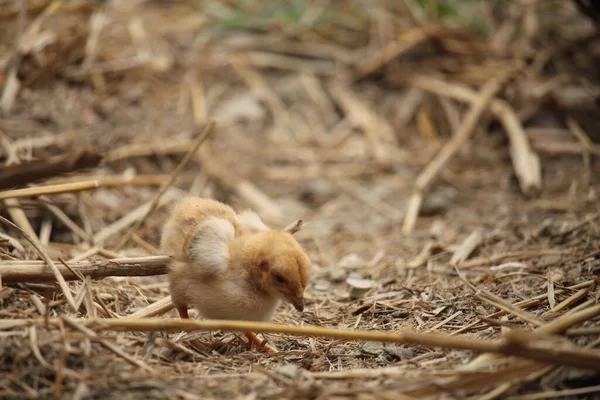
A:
251,336
255,341
199,345
183,312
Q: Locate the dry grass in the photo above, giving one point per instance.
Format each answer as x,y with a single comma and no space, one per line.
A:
455,169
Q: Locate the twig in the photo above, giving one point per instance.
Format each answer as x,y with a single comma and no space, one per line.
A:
550,292
55,271
257,84
472,382
557,393
543,371
581,306
198,96
58,383
151,250
563,355
31,171
94,336
564,322
40,142
24,45
50,189
460,137
387,372
144,150
586,146
390,51
589,219
517,255
118,180
525,304
97,22
18,215
64,218
558,326
525,162
36,271
132,216
560,148
466,247
592,330
508,307
201,138
375,128
444,322
412,211
155,309
33,342
263,60
381,207
570,300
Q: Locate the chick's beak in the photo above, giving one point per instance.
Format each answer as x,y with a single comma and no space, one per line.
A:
298,304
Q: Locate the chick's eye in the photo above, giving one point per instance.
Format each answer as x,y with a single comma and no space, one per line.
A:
279,279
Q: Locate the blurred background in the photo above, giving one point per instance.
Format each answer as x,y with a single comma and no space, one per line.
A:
397,130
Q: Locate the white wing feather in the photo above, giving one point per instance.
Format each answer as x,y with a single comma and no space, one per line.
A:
209,251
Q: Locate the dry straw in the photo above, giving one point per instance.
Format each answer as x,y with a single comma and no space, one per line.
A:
532,346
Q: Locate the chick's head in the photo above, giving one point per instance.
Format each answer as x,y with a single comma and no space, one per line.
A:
280,266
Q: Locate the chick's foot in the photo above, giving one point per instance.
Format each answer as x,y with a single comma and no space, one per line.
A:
256,342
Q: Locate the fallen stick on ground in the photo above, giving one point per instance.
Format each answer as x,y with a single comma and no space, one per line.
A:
17,214
105,343
52,268
83,182
392,50
557,326
375,128
60,140
50,189
541,348
467,247
524,304
525,161
65,219
203,135
520,255
508,307
115,180
31,171
38,271
115,228
145,150
480,104
155,309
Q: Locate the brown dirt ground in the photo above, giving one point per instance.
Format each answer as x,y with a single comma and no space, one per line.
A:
299,119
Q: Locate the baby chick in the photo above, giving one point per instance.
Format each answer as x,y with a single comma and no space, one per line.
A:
229,265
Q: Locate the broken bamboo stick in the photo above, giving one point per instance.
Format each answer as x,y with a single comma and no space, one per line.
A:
38,271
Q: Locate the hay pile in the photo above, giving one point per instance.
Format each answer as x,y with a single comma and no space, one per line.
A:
441,154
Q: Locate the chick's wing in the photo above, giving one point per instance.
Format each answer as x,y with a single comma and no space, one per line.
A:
209,251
